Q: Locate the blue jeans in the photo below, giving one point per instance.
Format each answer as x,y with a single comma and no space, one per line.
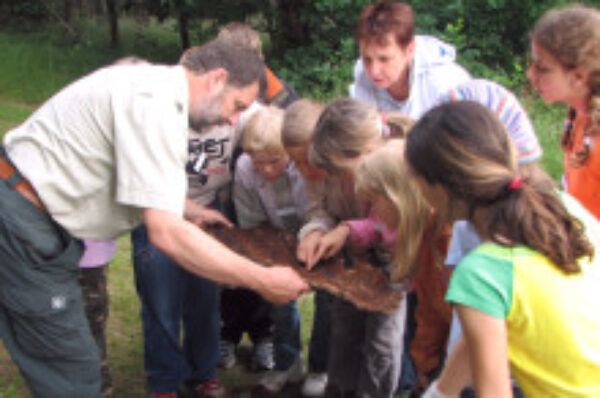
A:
286,334
169,297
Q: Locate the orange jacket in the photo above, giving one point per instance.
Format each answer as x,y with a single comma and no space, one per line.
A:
583,182
277,92
432,313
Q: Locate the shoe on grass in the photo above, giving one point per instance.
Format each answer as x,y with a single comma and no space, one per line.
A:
227,357
211,389
163,395
314,385
262,358
275,380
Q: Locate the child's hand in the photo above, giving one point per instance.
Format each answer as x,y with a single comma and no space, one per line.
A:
203,216
307,248
332,241
210,217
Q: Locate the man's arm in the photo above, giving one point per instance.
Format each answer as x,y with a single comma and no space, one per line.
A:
201,254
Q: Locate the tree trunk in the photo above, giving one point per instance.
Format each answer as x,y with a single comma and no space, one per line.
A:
98,7
184,34
113,21
68,11
293,32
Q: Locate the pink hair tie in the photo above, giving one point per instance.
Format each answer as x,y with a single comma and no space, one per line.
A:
516,183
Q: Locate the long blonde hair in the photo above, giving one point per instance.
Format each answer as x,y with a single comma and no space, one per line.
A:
383,172
572,36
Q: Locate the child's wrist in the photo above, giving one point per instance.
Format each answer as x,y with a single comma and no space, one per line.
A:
345,228
434,392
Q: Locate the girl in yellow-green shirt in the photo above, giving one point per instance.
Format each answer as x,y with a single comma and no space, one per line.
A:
528,298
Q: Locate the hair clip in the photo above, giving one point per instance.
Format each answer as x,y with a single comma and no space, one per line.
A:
516,183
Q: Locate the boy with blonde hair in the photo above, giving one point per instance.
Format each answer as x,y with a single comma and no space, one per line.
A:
267,187
240,308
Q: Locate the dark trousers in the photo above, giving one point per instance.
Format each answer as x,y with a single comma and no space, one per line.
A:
243,310
318,349
366,350
42,319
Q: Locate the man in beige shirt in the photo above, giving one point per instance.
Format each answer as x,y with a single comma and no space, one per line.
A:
102,155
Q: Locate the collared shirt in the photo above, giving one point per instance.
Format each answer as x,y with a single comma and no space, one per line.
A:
107,146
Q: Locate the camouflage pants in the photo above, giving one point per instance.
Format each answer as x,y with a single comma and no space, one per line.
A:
95,297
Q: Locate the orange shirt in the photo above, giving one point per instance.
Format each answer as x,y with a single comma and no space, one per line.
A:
584,182
432,313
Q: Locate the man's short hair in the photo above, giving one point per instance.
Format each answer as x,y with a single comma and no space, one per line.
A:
384,17
241,34
242,64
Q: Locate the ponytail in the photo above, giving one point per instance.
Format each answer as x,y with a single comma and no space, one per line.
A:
475,163
535,216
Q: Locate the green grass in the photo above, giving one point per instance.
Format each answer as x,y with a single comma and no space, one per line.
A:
548,123
33,66
12,113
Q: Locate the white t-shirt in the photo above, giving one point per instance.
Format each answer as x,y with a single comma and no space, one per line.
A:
433,72
283,202
210,155
107,146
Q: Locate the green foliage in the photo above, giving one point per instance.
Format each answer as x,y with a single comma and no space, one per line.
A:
321,65
23,14
548,124
491,36
318,71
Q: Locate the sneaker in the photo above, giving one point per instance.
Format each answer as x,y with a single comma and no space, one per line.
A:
227,357
275,380
314,385
262,358
211,389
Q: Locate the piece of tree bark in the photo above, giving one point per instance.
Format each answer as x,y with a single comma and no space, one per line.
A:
365,286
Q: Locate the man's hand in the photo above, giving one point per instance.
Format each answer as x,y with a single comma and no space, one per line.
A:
307,248
332,241
282,285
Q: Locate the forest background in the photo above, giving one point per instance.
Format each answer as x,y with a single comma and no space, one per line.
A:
45,44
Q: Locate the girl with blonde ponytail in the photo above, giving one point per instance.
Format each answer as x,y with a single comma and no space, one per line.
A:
565,68
528,295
